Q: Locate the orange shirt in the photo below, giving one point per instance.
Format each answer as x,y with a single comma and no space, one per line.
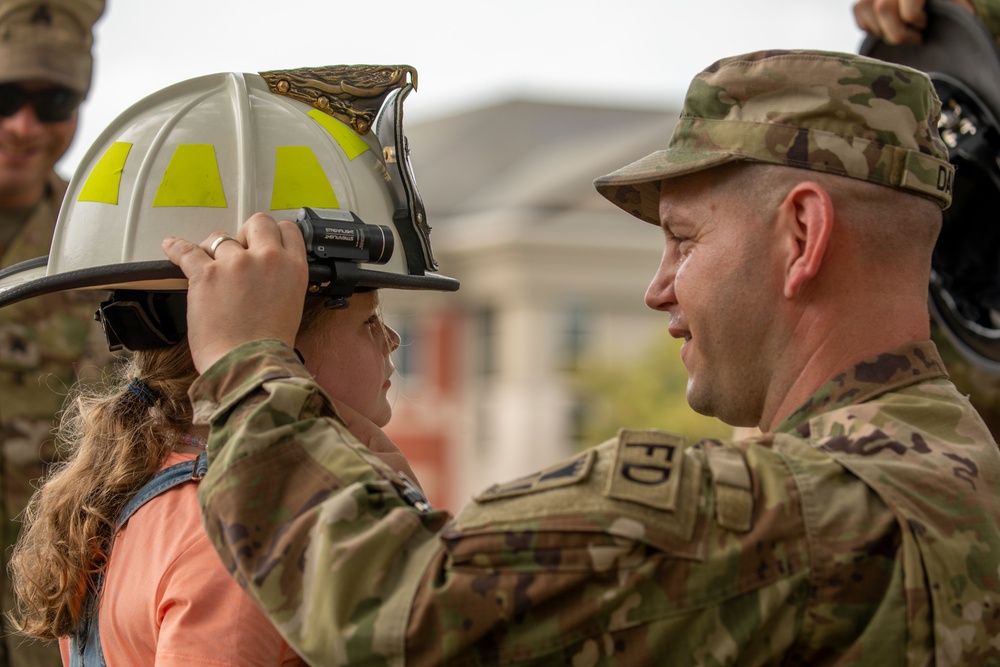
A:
169,601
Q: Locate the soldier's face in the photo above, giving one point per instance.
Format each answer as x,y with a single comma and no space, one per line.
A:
30,148
717,282
348,352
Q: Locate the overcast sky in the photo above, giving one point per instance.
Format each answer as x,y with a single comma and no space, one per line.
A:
467,53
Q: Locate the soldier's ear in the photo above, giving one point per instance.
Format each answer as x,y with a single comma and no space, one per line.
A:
805,219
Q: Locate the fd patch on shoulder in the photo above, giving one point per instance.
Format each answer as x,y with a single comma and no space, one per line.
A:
565,473
647,468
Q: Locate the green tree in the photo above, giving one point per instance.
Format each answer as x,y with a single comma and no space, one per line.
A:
647,391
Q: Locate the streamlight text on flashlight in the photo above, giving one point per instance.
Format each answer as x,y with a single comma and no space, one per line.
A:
337,234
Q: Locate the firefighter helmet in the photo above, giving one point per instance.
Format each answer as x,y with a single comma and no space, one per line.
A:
205,154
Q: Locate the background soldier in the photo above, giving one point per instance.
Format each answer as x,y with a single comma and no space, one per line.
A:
45,344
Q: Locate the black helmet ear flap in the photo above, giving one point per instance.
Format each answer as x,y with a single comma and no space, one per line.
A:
960,57
141,320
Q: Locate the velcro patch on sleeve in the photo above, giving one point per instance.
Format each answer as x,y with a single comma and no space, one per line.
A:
733,488
566,473
647,468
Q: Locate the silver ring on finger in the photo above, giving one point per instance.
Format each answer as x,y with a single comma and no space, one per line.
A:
217,242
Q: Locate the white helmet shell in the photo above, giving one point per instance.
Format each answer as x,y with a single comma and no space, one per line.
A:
205,154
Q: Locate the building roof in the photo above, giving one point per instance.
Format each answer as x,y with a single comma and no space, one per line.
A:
537,157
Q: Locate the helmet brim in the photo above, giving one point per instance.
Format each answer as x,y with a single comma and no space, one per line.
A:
27,279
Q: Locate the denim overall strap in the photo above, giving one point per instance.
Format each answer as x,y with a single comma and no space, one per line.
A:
165,480
85,646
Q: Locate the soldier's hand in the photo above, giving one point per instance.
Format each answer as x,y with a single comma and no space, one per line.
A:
242,289
896,21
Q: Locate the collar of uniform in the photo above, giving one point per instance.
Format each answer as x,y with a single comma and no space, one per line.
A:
907,365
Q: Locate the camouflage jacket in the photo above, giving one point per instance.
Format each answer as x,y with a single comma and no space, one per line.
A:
863,531
988,11
46,344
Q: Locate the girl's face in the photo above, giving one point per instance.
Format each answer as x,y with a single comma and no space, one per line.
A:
347,351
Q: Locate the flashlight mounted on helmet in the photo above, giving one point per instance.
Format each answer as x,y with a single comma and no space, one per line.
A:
334,234
336,242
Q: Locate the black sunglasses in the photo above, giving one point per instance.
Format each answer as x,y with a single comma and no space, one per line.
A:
51,105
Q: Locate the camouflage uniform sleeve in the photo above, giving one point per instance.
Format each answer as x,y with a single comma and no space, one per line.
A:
311,525
645,551
639,551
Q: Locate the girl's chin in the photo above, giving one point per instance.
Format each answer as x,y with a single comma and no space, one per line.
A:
383,417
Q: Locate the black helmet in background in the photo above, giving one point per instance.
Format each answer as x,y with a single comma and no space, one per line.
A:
961,58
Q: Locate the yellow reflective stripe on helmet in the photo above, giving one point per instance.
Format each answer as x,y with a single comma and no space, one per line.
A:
352,144
106,178
299,180
192,179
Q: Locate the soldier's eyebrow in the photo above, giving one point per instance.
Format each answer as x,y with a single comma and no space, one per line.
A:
673,224
671,217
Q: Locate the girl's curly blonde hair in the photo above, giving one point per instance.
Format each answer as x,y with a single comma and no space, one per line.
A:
116,443
113,442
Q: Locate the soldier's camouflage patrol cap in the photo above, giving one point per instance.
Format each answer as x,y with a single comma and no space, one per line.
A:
837,113
48,40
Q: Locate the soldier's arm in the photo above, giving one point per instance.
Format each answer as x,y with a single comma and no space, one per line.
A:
313,526
577,562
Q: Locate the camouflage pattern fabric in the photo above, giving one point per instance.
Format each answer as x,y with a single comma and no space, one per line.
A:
837,113
988,11
981,386
46,344
863,531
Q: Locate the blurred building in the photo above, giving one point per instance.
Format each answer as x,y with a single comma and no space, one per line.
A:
551,274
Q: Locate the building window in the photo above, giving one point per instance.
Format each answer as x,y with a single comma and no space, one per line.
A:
575,334
486,347
577,418
406,358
